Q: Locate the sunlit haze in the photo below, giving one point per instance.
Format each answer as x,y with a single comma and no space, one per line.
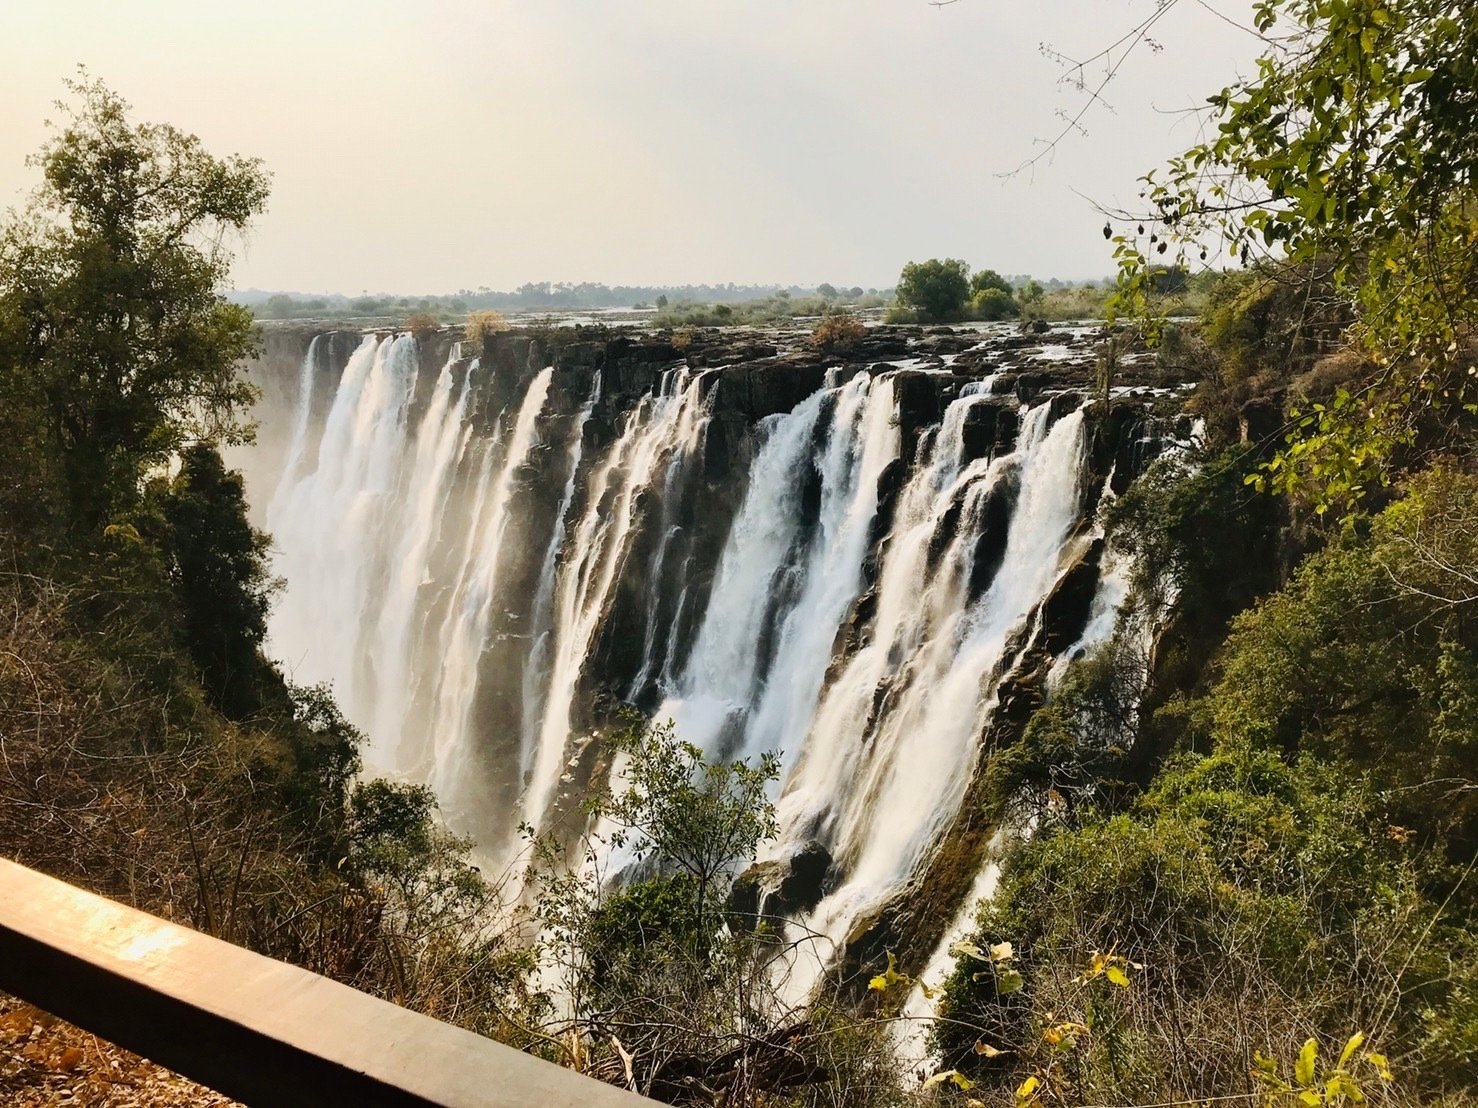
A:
427,147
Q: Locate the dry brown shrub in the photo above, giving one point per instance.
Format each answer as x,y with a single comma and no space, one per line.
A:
481,325
837,331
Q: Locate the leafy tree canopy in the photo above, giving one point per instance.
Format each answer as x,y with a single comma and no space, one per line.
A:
111,327
988,279
936,289
1353,146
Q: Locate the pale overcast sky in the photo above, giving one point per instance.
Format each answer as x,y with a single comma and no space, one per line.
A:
441,144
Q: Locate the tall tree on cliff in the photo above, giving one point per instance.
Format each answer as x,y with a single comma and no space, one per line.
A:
113,336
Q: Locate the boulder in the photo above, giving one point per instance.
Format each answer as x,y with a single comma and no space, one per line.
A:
768,892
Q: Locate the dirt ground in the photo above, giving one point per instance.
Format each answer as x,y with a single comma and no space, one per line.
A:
47,1063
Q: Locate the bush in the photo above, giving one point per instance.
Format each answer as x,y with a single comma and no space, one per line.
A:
482,325
837,331
1247,905
421,325
1371,649
992,304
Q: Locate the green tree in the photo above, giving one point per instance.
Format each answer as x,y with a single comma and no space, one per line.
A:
689,816
1030,296
991,305
936,289
220,577
983,279
111,326
1353,146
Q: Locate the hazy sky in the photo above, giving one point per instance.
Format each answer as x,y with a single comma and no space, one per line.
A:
434,145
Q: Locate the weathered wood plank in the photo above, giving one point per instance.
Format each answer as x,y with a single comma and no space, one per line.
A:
255,1029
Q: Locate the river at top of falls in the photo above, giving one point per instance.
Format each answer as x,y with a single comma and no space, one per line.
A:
454,570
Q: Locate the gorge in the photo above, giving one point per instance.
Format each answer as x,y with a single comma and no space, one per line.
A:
870,563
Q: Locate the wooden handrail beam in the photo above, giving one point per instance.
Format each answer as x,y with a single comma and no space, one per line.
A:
257,1030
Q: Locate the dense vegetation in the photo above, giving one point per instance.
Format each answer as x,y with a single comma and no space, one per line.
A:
1249,867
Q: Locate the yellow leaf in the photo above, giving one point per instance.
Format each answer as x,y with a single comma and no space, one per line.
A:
999,952
1117,976
1356,1040
1026,1090
1303,1069
961,1082
880,983
1382,1067
985,1050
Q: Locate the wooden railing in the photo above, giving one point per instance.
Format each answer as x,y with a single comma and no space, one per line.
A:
257,1030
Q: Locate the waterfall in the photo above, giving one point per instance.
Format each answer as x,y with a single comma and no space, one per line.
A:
724,682
661,426
471,607
533,690
479,557
332,522
439,443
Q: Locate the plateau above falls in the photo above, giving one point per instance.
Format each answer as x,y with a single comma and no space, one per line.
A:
872,564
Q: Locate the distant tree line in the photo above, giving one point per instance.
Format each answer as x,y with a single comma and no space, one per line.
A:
537,296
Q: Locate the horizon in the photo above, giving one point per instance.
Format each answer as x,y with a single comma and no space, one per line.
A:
759,287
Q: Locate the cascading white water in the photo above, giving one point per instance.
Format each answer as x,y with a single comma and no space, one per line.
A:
934,659
723,704
330,523
534,693
661,426
872,666
439,443
471,607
